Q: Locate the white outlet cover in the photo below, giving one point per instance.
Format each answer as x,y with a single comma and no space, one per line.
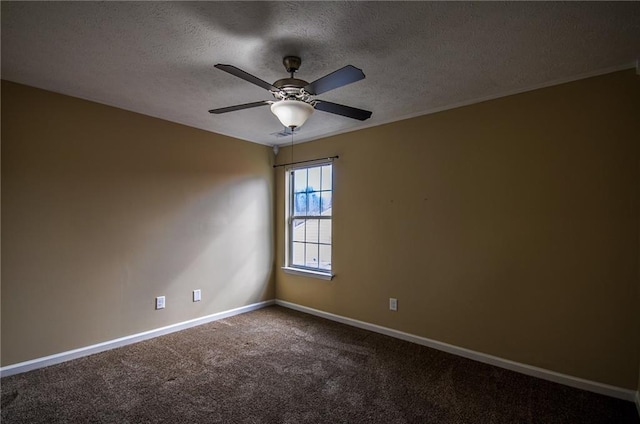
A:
197,295
393,304
160,302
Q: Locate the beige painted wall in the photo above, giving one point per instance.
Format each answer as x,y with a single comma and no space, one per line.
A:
508,227
104,209
504,227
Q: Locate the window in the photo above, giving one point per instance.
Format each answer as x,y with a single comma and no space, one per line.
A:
309,204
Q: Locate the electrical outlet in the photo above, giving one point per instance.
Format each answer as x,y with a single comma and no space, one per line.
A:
197,295
160,301
393,304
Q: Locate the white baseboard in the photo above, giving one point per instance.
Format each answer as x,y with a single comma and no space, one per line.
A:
123,341
542,373
592,386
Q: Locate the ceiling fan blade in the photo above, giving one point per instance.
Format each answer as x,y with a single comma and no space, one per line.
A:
239,107
246,76
342,76
348,111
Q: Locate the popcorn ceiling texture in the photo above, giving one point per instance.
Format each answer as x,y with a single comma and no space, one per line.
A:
157,58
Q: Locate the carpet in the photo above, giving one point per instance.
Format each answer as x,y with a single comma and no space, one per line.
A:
276,365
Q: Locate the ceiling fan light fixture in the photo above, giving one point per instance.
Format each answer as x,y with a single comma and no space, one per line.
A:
292,113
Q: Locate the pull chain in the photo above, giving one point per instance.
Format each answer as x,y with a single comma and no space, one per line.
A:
291,144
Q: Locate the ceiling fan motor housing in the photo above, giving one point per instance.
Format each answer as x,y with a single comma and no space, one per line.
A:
291,83
291,88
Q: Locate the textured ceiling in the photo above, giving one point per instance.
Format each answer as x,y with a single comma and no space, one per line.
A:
157,58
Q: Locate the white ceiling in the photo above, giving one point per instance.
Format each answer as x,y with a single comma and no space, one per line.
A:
157,58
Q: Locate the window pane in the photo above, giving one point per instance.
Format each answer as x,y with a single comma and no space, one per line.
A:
312,231
299,180
326,200
313,203
326,177
313,182
311,256
297,256
325,257
325,231
310,239
300,204
298,230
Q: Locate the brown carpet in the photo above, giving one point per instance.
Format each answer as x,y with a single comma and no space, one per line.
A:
281,366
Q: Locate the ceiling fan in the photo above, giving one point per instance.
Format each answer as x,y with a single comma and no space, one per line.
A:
294,101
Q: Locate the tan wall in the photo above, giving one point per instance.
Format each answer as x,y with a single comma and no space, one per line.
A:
104,209
508,227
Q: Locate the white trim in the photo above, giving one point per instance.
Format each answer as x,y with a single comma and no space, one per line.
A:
567,380
123,341
308,273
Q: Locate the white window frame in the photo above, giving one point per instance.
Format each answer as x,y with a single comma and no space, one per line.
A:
289,218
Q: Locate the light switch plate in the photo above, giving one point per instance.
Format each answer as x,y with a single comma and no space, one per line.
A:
197,295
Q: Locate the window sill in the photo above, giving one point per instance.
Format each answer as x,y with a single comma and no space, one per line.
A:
308,273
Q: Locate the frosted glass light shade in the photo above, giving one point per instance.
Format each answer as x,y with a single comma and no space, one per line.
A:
292,113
